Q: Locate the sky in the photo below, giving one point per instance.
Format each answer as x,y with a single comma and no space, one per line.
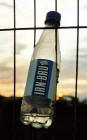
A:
25,43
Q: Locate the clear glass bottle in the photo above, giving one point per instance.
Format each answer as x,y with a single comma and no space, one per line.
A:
37,106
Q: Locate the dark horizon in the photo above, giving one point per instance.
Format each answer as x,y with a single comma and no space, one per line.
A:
62,127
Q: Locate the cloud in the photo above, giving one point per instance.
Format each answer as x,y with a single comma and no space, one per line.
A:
20,48
6,5
67,69
83,56
82,53
85,7
6,74
5,68
21,73
85,39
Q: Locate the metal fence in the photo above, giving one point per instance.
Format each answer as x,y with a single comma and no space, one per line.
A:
40,28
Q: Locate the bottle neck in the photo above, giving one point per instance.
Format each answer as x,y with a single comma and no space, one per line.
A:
48,25
53,41
45,48
48,36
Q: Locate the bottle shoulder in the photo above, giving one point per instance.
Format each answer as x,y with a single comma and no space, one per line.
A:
45,47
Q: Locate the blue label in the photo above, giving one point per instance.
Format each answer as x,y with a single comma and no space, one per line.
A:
42,77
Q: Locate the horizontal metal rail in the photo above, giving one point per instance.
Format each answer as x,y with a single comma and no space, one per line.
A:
42,28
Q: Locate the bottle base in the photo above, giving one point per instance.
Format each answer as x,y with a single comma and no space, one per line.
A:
39,113
36,120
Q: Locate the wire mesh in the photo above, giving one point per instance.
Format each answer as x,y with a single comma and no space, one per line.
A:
42,28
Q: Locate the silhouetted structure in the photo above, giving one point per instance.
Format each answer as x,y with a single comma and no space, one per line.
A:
61,129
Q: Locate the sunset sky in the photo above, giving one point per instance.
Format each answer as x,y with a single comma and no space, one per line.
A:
24,44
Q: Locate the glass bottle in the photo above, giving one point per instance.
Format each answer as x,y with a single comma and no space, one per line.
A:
39,98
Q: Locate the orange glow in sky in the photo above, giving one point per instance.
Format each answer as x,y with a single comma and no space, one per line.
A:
61,94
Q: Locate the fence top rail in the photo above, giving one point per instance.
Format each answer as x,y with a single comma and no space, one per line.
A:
41,28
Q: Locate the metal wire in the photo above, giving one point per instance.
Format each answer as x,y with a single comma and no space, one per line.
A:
56,38
77,51
43,28
34,22
76,84
56,5
14,49
14,122
33,137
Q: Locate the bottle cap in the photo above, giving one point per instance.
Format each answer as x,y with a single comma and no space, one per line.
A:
53,18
